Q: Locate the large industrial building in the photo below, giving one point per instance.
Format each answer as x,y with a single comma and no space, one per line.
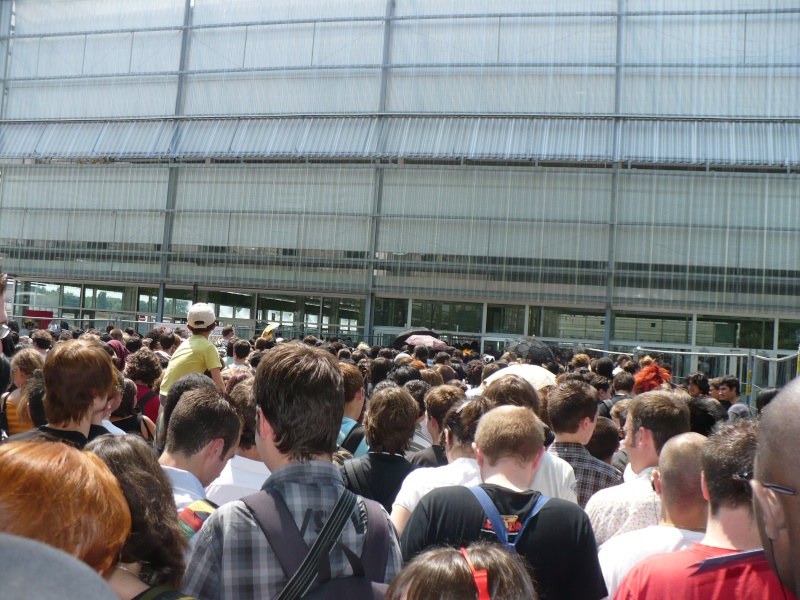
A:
603,172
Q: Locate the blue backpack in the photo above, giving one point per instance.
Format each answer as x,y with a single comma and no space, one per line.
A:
498,525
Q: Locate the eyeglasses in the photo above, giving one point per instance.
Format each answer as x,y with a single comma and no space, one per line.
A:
747,477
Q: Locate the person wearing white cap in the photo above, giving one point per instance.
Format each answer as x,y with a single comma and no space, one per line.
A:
197,355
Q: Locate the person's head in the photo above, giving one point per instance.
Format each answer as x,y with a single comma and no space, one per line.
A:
446,372
156,540
42,339
381,367
300,395
446,574
602,385
116,334
421,352
133,344
474,371
128,402
403,374
677,480
653,418
203,430
619,414
143,366
23,364
764,397
241,349
432,377
442,358
509,432
580,361
438,401
513,390
167,342
705,414
227,332
728,389
623,383
175,393
63,497
390,420
727,455
201,319
604,367
461,423
78,378
418,388
776,482
650,377
605,440
697,384
353,382
713,387
243,402
572,408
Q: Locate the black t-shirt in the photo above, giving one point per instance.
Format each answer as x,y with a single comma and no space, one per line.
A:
383,474
432,456
558,543
74,438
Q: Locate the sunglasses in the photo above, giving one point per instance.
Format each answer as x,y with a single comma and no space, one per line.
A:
747,477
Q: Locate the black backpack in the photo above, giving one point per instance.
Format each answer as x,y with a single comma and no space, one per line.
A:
352,440
303,565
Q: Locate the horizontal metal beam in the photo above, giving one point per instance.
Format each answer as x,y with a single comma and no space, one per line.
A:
380,19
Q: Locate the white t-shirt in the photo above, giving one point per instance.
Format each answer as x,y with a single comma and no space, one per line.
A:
462,471
623,508
555,478
240,477
619,554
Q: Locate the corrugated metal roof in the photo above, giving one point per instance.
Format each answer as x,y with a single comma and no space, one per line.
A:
446,138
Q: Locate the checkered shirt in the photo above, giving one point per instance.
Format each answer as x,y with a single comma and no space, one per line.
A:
232,558
591,474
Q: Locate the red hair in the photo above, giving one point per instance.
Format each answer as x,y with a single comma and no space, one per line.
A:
650,378
63,497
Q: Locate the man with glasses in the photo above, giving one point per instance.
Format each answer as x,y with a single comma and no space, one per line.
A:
776,483
728,562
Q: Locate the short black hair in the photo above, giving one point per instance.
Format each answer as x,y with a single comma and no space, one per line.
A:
705,414
418,388
731,381
403,374
700,380
623,382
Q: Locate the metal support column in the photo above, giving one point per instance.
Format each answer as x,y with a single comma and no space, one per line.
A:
172,181
612,217
377,193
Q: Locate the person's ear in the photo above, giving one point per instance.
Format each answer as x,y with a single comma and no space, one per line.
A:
704,487
771,510
657,482
215,448
264,428
479,456
538,459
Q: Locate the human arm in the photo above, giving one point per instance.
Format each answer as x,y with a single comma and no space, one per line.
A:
217,377
400,516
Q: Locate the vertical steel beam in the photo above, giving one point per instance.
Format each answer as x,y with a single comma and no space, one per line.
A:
612,217
6,29
172,178
377,192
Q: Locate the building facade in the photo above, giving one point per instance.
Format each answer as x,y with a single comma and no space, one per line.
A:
609,172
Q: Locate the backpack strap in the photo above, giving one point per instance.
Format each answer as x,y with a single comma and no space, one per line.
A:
283,536
376,548
498,524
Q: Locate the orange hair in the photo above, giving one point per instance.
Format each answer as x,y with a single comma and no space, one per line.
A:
650,378
63,497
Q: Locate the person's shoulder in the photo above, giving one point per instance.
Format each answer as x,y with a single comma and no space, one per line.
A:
607,496
553,461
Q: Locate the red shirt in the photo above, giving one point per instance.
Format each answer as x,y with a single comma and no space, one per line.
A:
674,576
149,408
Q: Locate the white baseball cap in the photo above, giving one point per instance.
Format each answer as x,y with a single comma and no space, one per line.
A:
200,315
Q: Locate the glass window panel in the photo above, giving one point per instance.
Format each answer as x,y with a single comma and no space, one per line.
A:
735,333
36,295
505,319
535,321
71,296
788,335
447,316
652,328
148,299
391,312
278,309
573,324
177,301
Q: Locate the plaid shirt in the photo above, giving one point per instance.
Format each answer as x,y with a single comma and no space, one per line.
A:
232,558
591,474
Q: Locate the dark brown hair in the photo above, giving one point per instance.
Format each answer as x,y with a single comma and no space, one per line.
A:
569,403
605,439
390,419
156,540
514,390
244,404
144,366
75,373
444,574
729,452
439,400
462,420
300,392
201,416
662,412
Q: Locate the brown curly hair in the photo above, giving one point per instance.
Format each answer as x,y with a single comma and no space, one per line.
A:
143,365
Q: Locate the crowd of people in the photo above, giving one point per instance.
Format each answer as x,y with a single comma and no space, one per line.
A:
173,467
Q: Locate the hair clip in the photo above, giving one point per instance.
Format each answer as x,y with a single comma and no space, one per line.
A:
481,578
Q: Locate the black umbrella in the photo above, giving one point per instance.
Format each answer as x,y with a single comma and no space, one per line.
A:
404,335
531,349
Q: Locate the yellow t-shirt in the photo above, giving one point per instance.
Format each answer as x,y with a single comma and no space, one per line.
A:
195,355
